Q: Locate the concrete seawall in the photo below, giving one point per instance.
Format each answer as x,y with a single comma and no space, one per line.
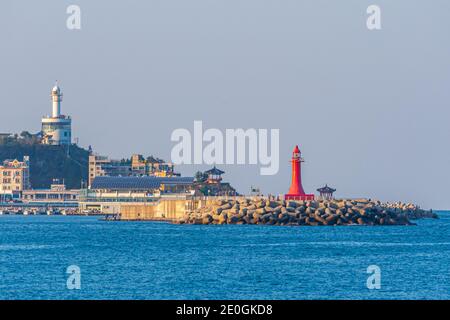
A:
169,209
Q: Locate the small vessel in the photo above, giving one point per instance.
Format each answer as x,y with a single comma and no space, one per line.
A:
26,212
56,212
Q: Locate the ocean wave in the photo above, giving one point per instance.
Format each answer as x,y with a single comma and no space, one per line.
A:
6,247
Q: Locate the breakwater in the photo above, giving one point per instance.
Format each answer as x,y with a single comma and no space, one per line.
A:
306,213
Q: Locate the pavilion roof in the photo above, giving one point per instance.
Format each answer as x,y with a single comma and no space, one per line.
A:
326,189
214,171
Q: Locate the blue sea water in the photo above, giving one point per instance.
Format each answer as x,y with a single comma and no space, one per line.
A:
149,260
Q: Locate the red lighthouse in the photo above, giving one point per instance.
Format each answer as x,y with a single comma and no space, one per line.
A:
296,191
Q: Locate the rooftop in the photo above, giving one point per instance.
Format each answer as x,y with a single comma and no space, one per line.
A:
215,172
138,183
326,189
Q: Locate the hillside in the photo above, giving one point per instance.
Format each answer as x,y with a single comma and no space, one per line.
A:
48,162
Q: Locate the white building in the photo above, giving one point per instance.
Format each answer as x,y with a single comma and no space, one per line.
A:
57,129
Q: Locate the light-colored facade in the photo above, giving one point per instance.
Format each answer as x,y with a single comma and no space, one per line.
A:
100,166
56,193
108,194
57,128
15,176
151,167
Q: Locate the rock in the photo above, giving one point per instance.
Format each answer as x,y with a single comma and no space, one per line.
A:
341,204
293,215
320,219
266,217
272,204
197,221
362,212
360,221
292,204
207,219
283,217
331,219
277,210
349,204
312,204
322,212
260,211
226,206
260,204
233,219
333,205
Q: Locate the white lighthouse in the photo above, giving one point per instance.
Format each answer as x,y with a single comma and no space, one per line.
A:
57,129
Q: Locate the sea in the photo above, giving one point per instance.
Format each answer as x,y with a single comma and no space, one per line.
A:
77,257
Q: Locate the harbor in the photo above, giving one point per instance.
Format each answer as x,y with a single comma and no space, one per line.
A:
34,209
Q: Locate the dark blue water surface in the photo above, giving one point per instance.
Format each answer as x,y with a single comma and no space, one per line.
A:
149,260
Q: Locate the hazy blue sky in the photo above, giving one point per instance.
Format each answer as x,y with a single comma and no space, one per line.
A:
369,109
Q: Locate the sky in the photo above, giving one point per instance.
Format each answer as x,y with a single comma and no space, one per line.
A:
369,109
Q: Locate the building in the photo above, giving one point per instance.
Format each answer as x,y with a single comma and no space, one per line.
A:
56,194
14,177
107,194
4,137
326,193
296,191
151,167
100,166
57,128
210,183
214,175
